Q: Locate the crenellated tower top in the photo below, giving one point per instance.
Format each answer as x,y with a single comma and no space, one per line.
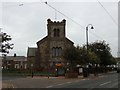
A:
56,29
56,22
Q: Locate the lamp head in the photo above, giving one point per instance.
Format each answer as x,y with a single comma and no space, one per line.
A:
92,27
89,25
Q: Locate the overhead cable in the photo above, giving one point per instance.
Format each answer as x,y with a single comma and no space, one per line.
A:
107,13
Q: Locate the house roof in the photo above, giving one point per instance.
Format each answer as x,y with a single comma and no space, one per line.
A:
46,38
31,51
69,40
42,40
17,58
117,58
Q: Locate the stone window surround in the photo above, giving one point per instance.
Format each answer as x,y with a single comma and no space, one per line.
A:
56,32
56,51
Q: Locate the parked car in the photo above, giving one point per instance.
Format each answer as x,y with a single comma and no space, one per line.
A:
118,67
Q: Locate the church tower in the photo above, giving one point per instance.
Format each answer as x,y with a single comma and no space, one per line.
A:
56,29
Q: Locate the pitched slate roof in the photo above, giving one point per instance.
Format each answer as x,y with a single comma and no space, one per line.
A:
46,38
69,40
42,40
31,51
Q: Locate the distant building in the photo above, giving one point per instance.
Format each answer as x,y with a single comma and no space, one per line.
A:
31,57
50,49
11,62
117,59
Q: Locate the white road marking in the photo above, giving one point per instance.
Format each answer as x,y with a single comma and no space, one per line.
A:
89,88
84,79
61,84
49,86
76,81
13,86
58,84
69,82
105,83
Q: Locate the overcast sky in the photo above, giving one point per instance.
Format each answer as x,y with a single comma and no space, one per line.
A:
26,22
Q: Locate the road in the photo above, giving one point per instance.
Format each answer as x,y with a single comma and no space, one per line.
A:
109,80
104,81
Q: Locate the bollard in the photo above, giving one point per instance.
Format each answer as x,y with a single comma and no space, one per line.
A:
32,74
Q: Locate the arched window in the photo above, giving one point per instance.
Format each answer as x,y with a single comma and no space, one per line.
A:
53,51
56,51
60,51
56,32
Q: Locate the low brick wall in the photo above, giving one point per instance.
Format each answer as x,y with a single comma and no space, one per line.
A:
71,75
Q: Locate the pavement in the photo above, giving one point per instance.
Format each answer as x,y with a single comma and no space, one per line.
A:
6,85
45,82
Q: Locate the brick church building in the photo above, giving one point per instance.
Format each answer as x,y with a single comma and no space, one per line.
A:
50,49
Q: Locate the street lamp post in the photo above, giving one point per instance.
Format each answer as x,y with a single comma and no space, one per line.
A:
85,71
87,33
